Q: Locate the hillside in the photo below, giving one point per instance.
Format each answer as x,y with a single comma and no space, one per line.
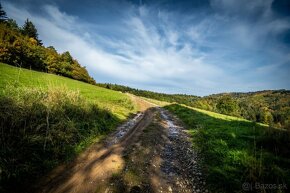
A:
271,107
116,102
48,119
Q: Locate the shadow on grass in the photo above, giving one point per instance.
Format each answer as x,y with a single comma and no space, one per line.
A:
41,129
237,151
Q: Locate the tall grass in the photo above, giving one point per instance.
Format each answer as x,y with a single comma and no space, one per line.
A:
236,151
118,103
41,128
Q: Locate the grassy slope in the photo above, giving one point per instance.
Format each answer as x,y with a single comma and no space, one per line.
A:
116,102
157,102
46,119
236,150
221,116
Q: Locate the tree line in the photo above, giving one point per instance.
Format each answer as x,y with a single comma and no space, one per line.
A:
271,107
178,98
21,46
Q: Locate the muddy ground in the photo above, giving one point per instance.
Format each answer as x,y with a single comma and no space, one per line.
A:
150,153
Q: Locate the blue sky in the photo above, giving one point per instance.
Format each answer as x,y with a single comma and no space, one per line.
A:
195,47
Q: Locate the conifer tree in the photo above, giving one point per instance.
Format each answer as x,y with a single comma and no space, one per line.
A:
30,30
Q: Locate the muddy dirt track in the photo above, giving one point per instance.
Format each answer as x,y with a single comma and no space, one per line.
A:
149,153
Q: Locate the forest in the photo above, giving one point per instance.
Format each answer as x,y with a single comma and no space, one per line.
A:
21,47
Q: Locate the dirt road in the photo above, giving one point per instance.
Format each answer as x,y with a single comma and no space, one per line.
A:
149,153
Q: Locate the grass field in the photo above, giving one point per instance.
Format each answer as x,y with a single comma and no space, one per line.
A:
236,151
114,101
47,119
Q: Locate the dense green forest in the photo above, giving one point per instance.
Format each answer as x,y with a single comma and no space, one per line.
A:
271,107
21,47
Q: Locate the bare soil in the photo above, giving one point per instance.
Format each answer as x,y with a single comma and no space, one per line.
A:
149,153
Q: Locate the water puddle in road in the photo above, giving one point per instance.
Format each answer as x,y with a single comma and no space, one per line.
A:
180,162
168,166
123,129
172,128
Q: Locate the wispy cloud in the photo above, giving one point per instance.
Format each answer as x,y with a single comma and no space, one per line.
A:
157,49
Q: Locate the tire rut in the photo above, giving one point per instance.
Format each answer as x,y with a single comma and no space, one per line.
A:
149,153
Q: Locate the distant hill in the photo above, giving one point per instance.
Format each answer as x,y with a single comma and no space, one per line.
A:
269,106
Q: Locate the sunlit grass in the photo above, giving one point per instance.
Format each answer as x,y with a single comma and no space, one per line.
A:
118,103
156,102
235,150
220,116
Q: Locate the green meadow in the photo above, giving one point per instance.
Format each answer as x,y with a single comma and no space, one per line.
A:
236,151
116,102
46,120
